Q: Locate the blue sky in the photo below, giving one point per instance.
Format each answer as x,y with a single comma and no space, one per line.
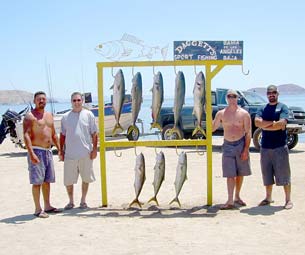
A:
63,34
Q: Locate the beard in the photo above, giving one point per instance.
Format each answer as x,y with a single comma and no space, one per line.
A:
272,100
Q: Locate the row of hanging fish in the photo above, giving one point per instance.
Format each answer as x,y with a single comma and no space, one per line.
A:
157,100
159,175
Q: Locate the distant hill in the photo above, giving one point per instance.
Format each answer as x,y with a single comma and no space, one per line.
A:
284,89
16,97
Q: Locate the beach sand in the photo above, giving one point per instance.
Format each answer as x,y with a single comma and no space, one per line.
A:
192,229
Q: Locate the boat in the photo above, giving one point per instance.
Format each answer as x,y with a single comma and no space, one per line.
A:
12,122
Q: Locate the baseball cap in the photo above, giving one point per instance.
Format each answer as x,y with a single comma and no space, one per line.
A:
272,88
232,92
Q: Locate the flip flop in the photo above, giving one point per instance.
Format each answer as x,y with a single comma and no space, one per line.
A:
265,202
288,205
83,206
53,210
69,206
41,214
240,202
227,207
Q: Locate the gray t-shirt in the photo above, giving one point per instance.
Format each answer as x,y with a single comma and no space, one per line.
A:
78,128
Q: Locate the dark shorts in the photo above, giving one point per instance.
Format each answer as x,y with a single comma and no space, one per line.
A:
275,164
44,170
232,165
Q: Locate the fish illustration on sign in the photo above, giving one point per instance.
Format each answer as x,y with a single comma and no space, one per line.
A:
180,176
139,179
130,47
157,99
158,176
199,102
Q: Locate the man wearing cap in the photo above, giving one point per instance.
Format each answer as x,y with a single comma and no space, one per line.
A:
272,119
236,123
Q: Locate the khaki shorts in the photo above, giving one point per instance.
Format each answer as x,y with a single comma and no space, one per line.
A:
74,168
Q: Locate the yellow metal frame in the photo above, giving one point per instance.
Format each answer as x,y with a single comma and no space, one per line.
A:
211,68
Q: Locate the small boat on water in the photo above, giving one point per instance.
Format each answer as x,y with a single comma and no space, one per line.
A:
12,121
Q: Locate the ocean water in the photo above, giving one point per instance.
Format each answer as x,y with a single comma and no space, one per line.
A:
145,113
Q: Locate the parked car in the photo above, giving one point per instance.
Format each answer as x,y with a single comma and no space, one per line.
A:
248,100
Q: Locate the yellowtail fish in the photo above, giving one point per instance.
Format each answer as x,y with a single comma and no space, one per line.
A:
118,99
139,179
158,175
199,102
180,176
157,99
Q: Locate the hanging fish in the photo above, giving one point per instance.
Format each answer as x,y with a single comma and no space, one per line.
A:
158,175
139,178
157,99
179,101
137,99
180,176
199,102
118,99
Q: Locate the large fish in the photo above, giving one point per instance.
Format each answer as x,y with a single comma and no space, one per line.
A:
180,176
118,99
157,99
199,101
158,175
139,178
137,99
179,101
130,47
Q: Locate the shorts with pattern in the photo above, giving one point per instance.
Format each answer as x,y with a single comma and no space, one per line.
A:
44,170
232,164
275,165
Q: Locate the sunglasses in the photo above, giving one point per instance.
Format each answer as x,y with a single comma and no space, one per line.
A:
272,93
76,100
231,96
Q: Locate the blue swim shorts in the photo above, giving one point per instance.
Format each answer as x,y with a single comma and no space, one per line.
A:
44,170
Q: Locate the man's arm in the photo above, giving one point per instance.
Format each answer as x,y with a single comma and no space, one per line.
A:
27,129
62,140
247,128
93,153
217,120
55,138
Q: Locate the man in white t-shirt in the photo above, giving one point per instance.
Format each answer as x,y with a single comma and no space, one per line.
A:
78,142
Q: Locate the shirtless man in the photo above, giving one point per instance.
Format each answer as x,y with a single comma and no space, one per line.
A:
39,133
236,124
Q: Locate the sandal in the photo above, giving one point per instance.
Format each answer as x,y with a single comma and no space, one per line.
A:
83,206
240,202
69,206
41,214
227,207
288,205
265,202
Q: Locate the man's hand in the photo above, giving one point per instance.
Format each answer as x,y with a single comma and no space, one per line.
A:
244,155
93,154
34,158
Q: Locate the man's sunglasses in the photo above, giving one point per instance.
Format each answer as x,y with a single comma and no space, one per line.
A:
76,100
231,96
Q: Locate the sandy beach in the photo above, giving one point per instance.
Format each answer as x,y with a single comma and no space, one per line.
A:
195,228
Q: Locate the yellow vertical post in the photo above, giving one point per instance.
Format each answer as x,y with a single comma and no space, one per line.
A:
101,116
209,135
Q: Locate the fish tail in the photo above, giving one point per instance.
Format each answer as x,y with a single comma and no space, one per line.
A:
176,199
177,131
137,202
130,129
198,129
156,125
116,127
153,199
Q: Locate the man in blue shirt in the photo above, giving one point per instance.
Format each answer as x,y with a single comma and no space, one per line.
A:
272,119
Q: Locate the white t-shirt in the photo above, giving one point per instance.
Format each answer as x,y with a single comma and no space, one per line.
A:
78,128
